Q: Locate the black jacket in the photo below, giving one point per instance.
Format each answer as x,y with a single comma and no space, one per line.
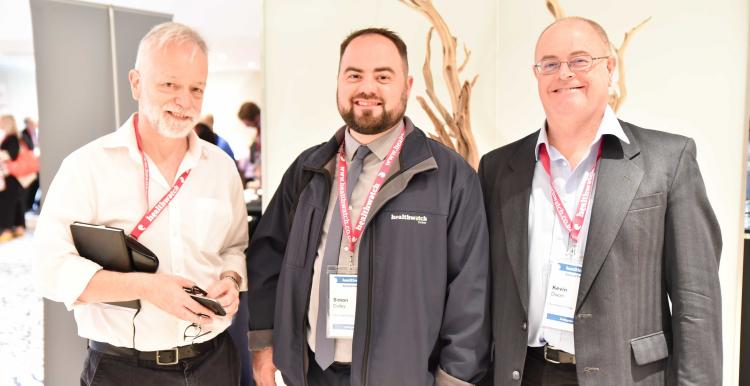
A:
422,300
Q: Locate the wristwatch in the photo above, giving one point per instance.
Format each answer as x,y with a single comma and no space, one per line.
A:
232,276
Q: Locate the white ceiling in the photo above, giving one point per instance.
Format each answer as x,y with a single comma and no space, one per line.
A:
232,29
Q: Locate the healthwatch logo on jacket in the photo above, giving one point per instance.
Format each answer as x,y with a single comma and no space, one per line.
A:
408,217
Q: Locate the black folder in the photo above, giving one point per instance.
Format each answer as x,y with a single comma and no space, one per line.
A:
114,250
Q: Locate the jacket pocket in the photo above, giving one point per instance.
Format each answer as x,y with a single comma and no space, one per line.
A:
299,235
647,202
649,348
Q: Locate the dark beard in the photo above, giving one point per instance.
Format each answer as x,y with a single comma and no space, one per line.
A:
368,123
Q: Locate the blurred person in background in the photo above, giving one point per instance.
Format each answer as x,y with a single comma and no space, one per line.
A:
207,123
250,167
30,137
12,222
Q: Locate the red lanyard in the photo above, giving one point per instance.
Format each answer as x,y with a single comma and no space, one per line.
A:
573,226
353,232
154,212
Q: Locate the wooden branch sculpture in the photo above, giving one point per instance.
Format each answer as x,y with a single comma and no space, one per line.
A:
617,95
453,127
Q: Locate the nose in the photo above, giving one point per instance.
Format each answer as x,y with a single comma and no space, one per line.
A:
183,99
565,72
367,86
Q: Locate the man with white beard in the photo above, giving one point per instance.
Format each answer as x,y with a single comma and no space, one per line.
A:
155,179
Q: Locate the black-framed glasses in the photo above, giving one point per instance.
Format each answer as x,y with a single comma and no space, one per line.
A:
580,63
195,290
193,332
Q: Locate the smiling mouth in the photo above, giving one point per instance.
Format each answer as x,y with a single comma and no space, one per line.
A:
367,102
567,89
177,115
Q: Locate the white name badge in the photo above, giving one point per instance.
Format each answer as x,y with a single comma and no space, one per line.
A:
562,295
342,305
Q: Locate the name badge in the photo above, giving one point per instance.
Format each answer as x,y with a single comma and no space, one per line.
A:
562,295
342,305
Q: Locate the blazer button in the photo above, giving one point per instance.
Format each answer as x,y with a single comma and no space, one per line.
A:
524,326
516,375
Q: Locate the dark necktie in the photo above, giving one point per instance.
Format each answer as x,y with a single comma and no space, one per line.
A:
324,346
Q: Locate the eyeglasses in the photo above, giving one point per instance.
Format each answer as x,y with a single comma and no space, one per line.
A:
195,290
581,63
193,332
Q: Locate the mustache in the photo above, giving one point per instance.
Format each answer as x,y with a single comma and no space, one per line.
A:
366,96
179,110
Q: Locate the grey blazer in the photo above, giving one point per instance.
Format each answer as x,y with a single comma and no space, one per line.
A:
653,239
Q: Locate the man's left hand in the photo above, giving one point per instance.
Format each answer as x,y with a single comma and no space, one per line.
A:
225,292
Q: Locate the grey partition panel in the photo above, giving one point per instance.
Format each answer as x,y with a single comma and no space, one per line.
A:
78,101
74,78
130,27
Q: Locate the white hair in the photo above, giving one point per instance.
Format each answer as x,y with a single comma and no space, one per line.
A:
165,33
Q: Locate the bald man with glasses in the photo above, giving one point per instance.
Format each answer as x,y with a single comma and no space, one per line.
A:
604,247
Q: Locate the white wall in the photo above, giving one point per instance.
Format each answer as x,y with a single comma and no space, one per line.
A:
687,72
18,86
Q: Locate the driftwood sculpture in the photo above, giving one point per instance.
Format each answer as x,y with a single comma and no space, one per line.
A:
453,127
618,94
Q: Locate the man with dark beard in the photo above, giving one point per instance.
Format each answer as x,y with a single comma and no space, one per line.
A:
370,265
177,195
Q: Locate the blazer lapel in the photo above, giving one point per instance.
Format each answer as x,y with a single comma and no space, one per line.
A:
515,191
617,182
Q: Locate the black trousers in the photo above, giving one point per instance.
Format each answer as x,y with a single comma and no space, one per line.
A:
538,372
335,375
220,367
12,204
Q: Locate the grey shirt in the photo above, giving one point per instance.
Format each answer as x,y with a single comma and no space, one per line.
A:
371,165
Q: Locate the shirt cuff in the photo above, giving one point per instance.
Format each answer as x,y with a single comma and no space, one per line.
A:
259,339
444,379
236,264
74,276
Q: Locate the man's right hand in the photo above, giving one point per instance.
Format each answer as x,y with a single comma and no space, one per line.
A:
264,371
168,293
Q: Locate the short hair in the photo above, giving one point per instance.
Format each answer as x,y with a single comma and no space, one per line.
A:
384,32
248,111
596,26
10,121
170,32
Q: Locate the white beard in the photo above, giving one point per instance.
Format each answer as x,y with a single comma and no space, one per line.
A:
166,125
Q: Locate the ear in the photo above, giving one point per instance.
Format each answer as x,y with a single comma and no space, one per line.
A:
409,83
135,83
611,66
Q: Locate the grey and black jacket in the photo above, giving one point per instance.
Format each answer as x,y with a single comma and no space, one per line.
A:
422,313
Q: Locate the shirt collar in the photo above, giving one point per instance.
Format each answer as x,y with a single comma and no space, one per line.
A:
124,137
380,147
609,126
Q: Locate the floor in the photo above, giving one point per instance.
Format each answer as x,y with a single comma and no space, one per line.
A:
21,330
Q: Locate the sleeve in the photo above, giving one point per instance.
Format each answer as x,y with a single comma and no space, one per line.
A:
59,273
235,243
692,248
265,256
466,326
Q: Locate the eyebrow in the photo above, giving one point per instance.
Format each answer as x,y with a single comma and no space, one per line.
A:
572,54
355,69
385,69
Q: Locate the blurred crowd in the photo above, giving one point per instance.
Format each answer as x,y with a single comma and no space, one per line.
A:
19,175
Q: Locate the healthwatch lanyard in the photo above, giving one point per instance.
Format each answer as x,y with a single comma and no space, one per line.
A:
573,226
351,231
154,212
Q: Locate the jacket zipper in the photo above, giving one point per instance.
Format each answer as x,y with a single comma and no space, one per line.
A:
370,274
307,306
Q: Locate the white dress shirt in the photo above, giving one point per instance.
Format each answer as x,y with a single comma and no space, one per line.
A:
202,233
548,238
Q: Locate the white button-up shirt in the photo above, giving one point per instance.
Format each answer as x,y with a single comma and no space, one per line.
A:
202,233
548,238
